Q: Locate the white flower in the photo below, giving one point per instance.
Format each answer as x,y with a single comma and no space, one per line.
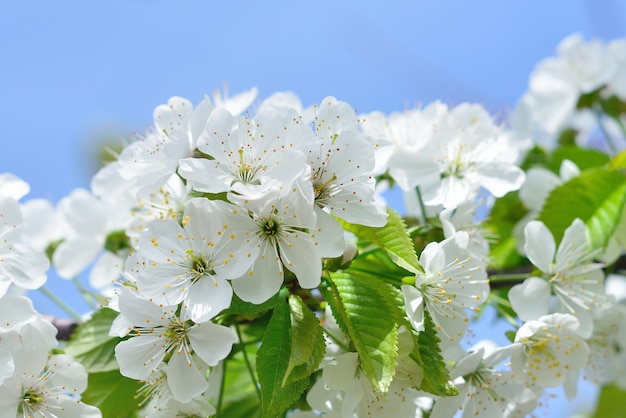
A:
556,85
463,218
548,351
166,203
344,390
19,264
161,402
608,347
91,220
247,154
463,150
567,271
341,161
286,234
452,282
484,390
157,332
42,386
191,263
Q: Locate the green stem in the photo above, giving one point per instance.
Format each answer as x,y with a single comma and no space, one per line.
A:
248,364
220,397
513,277
422,206
86,294
64,306
609,139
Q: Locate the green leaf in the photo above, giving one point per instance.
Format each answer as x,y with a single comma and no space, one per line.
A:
91,344
113,393
393,238
505,214
363,310
596,196
427,353
619,161
241,307
584,158
307,342
272,362
611,403
246,407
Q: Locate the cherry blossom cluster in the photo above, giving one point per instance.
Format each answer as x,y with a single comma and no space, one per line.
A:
233,199
32,382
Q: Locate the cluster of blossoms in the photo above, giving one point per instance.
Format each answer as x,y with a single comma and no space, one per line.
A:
32,382
237,202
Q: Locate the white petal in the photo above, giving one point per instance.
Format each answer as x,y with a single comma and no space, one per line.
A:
540,246
211,342
339,374
263,281
206,298
414,306
183,377
140,356
530,299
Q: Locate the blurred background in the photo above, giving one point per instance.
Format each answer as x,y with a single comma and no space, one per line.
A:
76,74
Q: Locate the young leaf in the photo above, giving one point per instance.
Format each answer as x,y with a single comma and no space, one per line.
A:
596,196
113,393
307,342
272,362
427,353
91,345
393,238
372,329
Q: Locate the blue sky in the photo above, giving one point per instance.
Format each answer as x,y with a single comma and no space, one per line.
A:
73,72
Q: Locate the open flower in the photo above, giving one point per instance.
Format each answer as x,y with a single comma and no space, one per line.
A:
286,233
158,334
191,263
548,351
452,282
567,271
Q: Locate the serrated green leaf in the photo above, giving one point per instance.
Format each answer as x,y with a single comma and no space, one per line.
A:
611,403
584,158
378,263
427,353
272,362
393,238
596,196
307,342
91,344
113,394
372,329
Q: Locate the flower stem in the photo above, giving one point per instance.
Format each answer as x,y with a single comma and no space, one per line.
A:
421,202
86,294
220,397
513,277
609,138
64,306
248,364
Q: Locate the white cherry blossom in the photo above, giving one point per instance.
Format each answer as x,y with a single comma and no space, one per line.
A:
191,263
568,272
452,282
